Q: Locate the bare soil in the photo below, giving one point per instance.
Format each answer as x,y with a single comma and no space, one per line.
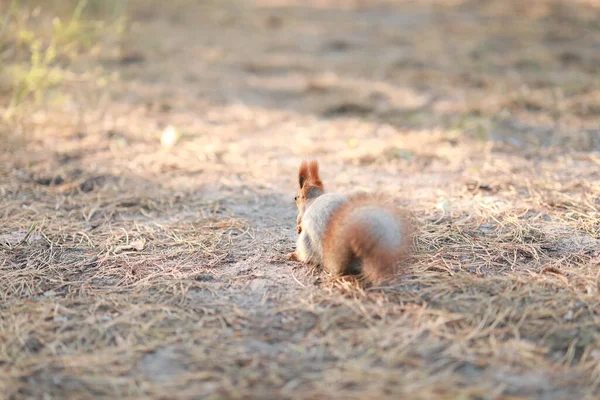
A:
133,270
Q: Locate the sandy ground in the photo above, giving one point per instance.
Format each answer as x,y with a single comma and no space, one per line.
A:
134,270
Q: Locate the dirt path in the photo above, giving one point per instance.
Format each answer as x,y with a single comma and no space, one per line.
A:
160,272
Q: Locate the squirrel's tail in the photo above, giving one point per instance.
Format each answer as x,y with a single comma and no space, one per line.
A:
366,236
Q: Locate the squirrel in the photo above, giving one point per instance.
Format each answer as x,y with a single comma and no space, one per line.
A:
358,234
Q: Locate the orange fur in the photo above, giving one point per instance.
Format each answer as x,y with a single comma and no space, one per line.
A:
303,173
310,186
308,177
313,170
350,248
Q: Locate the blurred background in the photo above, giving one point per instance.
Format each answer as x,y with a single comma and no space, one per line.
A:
523,72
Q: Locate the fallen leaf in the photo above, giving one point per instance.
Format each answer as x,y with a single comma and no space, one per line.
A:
137,245
170,136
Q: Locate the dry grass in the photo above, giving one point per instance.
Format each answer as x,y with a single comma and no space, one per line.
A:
133,270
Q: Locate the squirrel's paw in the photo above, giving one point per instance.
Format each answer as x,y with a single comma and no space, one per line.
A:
299,228
293,256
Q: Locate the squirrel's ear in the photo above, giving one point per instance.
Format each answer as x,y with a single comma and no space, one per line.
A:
303,174
313,169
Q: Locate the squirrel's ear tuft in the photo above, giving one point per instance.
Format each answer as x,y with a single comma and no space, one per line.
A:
313,169
303,174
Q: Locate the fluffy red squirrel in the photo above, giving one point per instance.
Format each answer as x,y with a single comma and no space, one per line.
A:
358,234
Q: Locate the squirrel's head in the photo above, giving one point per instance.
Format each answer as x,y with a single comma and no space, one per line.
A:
310,183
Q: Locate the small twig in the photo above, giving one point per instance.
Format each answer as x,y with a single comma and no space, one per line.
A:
296,279
27,235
